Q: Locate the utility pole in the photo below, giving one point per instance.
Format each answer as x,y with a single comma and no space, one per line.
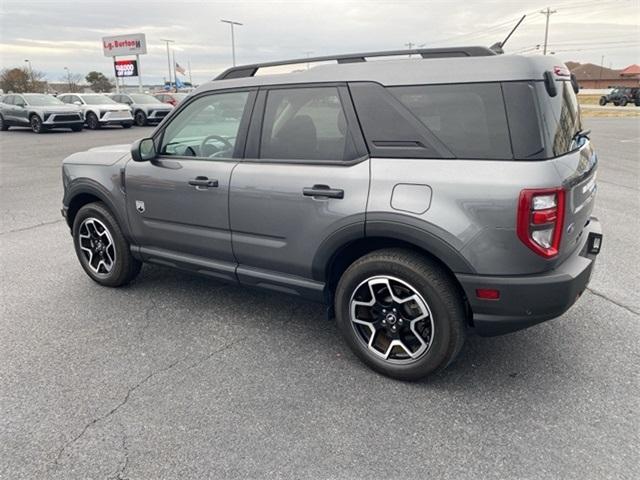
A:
548,12
189,67
409,45
601,67
28,62
168,57
69,79
233,40
308,53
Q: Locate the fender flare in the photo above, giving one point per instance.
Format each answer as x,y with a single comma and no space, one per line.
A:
91,187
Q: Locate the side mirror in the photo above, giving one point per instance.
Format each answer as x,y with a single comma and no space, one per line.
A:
143,150
77,102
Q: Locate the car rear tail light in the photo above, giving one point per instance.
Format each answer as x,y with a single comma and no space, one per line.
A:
488,293
541,220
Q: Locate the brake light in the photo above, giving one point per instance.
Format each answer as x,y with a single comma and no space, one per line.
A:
541,219
562,71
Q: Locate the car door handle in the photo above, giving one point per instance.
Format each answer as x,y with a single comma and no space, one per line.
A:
203,182
322,191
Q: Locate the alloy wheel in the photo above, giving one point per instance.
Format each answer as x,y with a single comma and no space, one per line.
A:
391,319
97,246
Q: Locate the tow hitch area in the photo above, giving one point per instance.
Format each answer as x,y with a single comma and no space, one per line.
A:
594,243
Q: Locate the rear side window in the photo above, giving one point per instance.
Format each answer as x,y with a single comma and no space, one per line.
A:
305,124
469,119
560,117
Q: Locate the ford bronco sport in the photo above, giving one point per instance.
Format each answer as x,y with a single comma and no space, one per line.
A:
419,198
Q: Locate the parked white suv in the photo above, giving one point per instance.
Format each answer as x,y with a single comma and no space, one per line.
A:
99,110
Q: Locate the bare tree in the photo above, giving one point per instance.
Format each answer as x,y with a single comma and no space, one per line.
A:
21,80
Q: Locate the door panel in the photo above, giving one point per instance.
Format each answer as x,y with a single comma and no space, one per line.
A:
177,204
304,179
175,215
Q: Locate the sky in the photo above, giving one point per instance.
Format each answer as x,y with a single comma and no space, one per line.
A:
55,34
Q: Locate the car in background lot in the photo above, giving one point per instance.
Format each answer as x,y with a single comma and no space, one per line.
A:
99,110
147,109
171,97
620,96
39,111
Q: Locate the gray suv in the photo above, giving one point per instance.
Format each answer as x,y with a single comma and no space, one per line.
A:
38,111
147,109
421,199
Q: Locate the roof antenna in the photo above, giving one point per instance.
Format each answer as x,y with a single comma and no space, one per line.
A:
497,47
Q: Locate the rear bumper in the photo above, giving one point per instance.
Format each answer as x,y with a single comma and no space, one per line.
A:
528,300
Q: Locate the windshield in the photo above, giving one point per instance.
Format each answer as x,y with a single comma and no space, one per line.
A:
42,100
97,100
142,98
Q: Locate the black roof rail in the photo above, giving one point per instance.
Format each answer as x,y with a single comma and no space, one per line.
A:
250,70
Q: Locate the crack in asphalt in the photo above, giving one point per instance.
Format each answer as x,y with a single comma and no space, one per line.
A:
147,317
130,391
621,305
31,227
114,409
120,473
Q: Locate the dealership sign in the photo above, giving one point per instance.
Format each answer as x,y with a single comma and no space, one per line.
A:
133,44
126,68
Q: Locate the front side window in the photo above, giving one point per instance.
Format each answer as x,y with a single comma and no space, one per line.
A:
469,119
207,127
305,124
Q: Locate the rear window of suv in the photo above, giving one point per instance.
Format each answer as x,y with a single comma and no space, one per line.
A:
469,119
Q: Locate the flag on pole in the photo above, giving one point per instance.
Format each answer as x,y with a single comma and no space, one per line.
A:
180,70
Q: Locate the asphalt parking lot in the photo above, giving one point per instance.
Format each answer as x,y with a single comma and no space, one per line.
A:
178,376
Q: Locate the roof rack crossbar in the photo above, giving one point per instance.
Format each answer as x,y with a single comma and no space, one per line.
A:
250,70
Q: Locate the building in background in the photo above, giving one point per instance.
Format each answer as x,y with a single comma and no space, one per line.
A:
591,76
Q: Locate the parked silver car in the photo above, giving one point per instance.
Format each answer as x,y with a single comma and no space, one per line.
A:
39,111
147,109
99,109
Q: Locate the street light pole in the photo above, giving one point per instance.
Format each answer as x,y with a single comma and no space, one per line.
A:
233,39
168,57
68,78
28,62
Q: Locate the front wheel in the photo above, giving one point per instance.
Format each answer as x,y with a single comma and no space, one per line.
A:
623,102
141,118
36,124
400,313
101,247
603,101
92,121
3,125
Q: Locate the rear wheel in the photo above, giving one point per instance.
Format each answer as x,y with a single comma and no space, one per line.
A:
602,101
101,247
36,124
400,313
92,121
3,125
141,118
623,102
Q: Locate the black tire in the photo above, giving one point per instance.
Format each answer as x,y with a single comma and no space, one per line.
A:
77,128
3,126
616,103
36,124
433,284
92,121
141,119
637,102
127,125
623,102
124,266
602,101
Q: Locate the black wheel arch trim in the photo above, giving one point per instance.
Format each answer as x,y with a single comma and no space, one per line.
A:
393,227
91,187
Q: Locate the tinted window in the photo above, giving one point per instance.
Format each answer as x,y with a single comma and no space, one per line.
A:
469,119
524,125
305,124
207,127
560,118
